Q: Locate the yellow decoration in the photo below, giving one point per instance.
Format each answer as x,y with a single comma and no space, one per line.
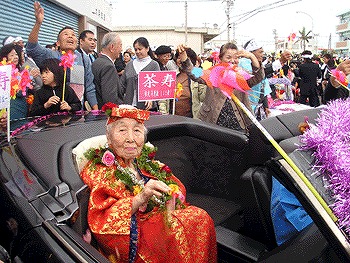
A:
173,189
206,65
137,189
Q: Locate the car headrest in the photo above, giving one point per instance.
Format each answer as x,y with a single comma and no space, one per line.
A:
82,147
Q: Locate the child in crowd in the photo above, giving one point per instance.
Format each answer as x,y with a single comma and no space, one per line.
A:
49,98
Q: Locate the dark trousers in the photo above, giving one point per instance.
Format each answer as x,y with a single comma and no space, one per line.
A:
313,98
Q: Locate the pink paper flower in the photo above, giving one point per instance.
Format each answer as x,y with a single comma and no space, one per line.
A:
67,59
228,77
25,81
108,158
215,56
340,76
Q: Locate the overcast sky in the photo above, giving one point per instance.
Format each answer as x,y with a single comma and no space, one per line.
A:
321,15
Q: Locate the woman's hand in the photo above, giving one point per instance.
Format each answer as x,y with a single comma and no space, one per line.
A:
345,67
182,52
154,188
148,105
51,101
246,54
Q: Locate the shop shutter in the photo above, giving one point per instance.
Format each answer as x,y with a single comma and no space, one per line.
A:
17,19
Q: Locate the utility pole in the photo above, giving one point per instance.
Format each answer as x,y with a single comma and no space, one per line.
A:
186,33
274,31
229,4
234,32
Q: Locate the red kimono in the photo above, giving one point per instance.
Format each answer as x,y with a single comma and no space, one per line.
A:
184,235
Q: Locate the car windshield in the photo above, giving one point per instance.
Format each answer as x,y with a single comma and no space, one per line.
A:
34,124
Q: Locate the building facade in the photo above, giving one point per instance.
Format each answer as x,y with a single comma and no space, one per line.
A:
171,36
17,18
297,46
342,47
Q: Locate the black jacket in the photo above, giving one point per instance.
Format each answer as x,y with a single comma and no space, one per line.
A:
309,72
42,95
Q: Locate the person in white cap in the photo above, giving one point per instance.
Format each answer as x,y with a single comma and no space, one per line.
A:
260,92
8,40
19,41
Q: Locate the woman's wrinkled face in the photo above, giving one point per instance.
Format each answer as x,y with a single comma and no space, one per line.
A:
230,56
126,137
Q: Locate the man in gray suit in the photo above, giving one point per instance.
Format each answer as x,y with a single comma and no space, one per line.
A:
108,87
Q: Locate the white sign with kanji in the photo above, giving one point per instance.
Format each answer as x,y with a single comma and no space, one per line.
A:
5,86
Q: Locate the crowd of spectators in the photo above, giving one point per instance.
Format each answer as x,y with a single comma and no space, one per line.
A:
105,72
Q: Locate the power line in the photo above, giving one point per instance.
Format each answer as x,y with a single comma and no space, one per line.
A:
258,8
261,10
252,13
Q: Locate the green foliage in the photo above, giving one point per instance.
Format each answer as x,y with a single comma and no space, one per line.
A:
144,162
304,37
94,155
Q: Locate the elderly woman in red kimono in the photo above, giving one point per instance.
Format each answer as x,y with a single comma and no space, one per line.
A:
137,208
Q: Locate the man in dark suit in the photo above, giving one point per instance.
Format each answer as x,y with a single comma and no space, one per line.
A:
108,87
87,44
308,73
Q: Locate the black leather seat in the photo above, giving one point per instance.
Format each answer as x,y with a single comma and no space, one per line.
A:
256,206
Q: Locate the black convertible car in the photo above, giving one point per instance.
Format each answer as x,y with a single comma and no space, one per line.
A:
44,201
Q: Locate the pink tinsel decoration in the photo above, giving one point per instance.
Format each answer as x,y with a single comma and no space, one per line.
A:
330,140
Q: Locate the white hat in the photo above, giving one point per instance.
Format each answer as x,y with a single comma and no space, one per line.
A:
307,56
8,40
17,39
252,45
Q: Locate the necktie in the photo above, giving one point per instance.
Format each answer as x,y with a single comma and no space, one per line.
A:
92,58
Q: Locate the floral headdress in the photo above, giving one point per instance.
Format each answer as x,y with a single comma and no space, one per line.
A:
115,112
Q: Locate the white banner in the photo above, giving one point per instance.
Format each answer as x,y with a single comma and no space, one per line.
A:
5,86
